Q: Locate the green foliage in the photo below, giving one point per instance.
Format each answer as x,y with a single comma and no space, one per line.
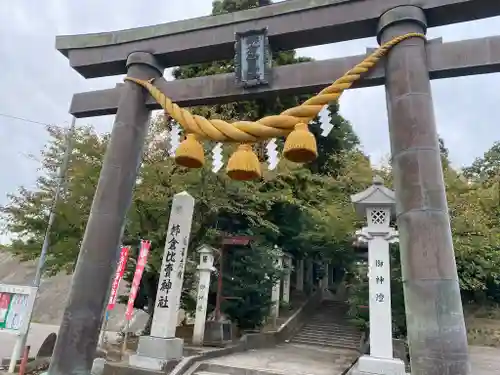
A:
248,284
26,215
487,168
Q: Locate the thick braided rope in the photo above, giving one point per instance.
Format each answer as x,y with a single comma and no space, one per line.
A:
269,126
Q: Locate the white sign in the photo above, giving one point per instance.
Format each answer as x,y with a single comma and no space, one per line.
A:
168,296
16,305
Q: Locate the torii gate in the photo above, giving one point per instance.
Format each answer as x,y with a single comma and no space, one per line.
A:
436,329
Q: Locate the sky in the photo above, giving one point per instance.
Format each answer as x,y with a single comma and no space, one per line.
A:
37,82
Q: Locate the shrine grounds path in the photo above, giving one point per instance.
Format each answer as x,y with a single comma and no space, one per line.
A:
304,360
485,361
38,334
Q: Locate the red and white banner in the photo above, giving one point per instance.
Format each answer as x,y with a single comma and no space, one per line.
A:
120,270
139,269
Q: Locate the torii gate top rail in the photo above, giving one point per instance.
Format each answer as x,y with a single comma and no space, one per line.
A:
291,24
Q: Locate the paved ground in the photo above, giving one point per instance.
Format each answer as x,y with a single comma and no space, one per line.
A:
306,360
485,361
291,359
288,358
38,333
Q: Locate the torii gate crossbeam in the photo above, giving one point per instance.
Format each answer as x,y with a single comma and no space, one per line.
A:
444,60
436,329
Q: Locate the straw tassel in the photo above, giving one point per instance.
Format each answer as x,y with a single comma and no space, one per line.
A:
300,145
190,153
243,165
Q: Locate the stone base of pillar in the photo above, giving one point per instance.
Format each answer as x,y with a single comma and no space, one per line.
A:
155,353
218,333
378,366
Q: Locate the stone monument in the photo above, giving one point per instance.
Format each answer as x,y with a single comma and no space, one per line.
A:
275,296
287,265
205,269
377,204
155,351
299,274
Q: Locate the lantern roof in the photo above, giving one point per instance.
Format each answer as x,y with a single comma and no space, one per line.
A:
206,249
376,196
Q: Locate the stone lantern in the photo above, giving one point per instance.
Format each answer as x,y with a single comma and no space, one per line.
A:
275,294
377,205
205,269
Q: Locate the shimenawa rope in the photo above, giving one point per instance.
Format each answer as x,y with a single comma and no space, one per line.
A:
298,146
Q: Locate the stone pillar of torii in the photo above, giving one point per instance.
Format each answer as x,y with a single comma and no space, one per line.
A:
377,205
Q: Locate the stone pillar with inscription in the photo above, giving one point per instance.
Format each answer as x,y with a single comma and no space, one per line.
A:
309,274
299,273
205,269
287,264
156,350
324,280
275,296
377,204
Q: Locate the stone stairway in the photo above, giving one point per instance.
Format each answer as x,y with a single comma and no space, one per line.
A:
329,327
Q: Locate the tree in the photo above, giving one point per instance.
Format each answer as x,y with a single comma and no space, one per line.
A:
486,168
247,297
26,215
316,197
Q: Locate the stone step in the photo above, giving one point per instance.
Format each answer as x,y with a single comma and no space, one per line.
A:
325,338
216,369
329,336
333,303
343,334
324,311
334,307
330,326
335,344
329,318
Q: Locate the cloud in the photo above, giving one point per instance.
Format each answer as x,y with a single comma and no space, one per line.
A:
37,82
